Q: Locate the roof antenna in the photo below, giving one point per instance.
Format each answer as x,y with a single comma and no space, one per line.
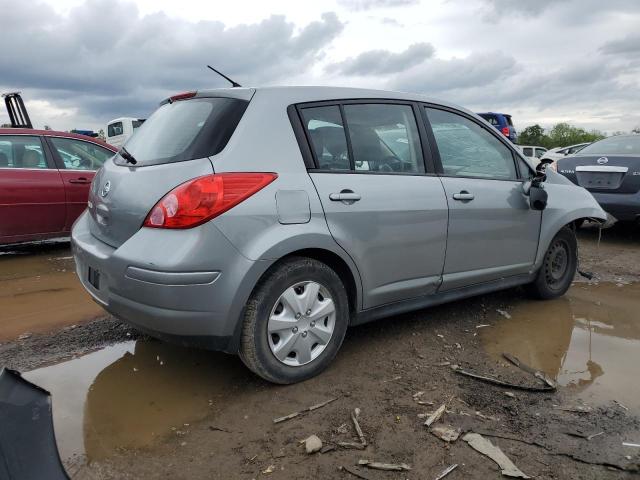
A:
233,84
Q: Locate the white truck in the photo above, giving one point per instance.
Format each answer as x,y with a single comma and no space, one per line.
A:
120,129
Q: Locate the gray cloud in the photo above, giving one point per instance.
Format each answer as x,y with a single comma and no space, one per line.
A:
107,60
359,5
498,8
383,61
627,45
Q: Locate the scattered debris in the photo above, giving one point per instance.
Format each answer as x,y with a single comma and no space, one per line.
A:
363,442
389,467
312,444
353,472
344,428
447,471
328,448
510,394
496,381
269,469
218,429
447,434
627,444
443,364
587,275
504,313
485,447
306,410
435,416
536,373
573,408
483,325
621,405
594,435
24,336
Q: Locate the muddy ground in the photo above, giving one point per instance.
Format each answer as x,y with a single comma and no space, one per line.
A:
126,406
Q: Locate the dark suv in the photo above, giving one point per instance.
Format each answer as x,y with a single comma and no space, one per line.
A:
503,123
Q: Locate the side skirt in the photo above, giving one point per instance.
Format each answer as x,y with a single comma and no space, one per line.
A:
426,301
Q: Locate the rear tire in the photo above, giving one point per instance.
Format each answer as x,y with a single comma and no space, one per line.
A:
558,266
294,322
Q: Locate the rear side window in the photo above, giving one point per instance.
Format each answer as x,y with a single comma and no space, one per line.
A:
327,136
21,152
468,150
509,121
185,130
79,155
383,138
115,129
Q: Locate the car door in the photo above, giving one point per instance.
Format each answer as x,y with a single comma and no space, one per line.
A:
492,231
381,206
77,161
32,204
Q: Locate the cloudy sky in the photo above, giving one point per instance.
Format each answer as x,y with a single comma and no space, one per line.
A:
80,63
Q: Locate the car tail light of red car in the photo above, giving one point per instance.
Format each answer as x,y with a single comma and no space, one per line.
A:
201,199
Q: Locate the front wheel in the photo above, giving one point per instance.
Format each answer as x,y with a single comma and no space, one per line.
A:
558,267
295,321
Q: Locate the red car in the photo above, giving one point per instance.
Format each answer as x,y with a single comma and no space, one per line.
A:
44,181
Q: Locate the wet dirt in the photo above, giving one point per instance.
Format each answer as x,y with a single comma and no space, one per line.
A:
144,409
39,292
587,341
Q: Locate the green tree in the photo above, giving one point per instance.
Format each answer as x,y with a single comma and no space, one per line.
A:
563,135
532,135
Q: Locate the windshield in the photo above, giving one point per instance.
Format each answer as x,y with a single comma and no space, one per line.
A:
620,145
185,130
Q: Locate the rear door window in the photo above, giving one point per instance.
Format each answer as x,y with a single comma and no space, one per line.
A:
468,150
22,152
185,130
384,138
78,155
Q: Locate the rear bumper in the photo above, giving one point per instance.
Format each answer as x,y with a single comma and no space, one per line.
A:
623,206
185,286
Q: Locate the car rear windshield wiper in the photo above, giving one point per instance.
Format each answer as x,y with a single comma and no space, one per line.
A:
127,156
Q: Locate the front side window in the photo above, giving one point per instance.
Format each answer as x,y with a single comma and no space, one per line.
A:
540,152
468,150
384,138
115,129
79,155
327,136
21,152
528,151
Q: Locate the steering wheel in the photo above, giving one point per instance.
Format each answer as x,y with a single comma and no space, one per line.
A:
391,163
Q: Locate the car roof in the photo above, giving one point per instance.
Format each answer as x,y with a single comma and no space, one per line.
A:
55,133
287,95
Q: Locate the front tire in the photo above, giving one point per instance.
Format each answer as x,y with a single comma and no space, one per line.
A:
558,267
295,321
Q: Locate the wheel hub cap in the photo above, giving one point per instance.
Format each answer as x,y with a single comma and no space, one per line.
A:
301,323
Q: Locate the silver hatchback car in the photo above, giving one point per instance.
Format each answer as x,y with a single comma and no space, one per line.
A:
266,221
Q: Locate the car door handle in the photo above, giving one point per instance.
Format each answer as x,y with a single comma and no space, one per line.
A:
344,196
463,196
80,180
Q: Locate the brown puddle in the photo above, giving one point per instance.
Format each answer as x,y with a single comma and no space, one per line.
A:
588,341
40,292
134,394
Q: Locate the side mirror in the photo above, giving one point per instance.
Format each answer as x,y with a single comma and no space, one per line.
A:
537,198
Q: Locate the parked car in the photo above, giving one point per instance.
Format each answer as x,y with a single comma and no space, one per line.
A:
534,153
557,153
266,221
120,129
503,123
44,181
610,170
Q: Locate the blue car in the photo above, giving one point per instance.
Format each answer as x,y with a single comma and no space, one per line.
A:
503,123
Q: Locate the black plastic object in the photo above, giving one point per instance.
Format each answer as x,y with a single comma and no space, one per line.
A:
28,447
538,198
17,111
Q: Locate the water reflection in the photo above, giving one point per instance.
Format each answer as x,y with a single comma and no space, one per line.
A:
131,395
588,340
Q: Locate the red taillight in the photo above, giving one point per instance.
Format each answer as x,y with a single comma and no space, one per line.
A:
182,96
505,131
203,198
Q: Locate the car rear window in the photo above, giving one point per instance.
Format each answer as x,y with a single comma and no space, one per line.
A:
492,119
185,130
617,145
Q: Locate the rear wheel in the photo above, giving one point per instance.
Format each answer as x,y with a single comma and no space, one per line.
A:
558,267
295,321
